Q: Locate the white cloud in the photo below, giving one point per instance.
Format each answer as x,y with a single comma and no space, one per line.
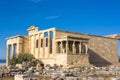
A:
52,17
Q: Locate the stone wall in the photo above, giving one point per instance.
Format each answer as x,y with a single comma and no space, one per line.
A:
25,44
42,37
80,60
60,59
102,51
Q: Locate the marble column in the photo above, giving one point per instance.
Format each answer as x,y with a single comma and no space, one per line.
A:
17,48
86,49
8,55
56,47
48,44
44,46
13,50
38,46
66,47
61,47
30,44
34,46
73,47
80,48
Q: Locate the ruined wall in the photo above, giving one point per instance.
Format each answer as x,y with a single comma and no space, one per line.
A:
102,50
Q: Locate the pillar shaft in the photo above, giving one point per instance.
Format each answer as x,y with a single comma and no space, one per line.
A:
38,46
7,55
30,44
56,47
48,44
61,47
66,47
80,48
34,49
33,45
44,47
18,46
73,47
86,49
13,50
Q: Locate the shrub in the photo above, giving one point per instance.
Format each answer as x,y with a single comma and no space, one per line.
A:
13,61
23,57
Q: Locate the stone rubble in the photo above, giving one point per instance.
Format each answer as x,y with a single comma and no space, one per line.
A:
78,73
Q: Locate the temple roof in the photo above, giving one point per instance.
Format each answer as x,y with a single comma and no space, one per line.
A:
14,37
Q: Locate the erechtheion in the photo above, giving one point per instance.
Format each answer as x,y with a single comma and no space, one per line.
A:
65,48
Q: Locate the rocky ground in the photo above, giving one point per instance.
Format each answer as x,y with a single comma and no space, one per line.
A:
58,73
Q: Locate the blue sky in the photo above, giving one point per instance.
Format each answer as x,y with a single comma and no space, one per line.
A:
98,17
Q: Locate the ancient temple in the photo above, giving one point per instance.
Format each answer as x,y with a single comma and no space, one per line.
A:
65,48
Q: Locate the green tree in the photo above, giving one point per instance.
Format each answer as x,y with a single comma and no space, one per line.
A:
13,61
34,62
24,57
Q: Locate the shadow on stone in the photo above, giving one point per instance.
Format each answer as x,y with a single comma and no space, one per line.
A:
96,60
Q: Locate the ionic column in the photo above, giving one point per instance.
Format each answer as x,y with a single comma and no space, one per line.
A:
30,40
13,50
86,49
80,48
61,47
73,47
34,49
48,44
44,46
8,55
39,46
66,47
56,47
33,45
17,46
